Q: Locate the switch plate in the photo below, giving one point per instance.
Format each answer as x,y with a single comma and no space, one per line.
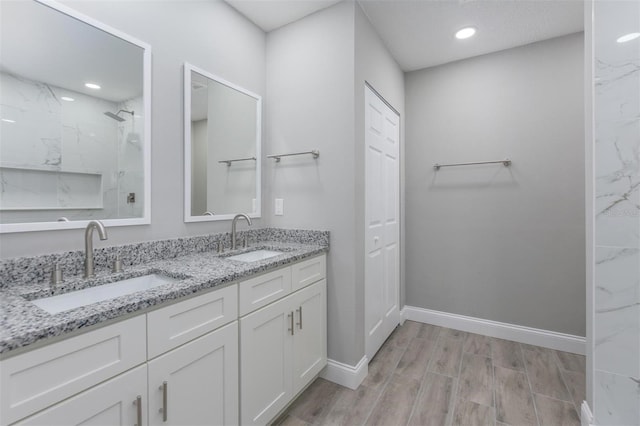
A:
279,207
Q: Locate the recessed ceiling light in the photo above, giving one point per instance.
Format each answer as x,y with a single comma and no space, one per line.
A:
68,99
628,37
7,120
465,33
92,86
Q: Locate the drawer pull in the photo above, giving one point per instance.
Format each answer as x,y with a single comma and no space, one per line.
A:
163,410
292,327
300,313
138,404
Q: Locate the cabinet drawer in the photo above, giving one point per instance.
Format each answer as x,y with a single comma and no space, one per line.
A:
308,272
260,291
45,376
112,403
184,321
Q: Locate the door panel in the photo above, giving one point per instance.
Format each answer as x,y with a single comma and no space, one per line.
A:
382,223
202,381
266,373
309,343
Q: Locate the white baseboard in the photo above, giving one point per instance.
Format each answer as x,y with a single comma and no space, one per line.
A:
586,418
518,333
346,375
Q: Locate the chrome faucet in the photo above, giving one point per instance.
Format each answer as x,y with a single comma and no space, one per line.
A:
88,245
233,228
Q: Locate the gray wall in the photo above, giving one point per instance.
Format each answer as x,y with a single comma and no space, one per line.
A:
504,244
309,105
316,69
208,34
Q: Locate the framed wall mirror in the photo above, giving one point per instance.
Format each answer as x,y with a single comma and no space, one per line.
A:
75,114
222,139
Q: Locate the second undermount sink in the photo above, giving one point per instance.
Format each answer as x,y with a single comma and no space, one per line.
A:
100,293
256,255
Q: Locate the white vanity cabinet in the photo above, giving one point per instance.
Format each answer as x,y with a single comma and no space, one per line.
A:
120,401
283,344
197,384
234,355
96,377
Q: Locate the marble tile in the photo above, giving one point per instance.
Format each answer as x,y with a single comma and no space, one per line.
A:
434,403
544,375
416,358
396,402
514,403
477,344
476,380
617,310
553,412
469,413
617,399
507,354
447,356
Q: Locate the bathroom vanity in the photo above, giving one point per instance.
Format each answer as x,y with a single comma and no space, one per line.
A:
227,342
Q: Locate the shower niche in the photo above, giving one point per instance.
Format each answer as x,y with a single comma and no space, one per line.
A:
74,121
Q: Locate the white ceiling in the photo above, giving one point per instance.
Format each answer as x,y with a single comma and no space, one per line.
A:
420,33
42,44
272,14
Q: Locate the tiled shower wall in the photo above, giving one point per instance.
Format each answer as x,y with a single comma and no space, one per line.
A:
73,141
616,382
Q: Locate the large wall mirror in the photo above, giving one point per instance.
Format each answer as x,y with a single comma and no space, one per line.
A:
222,148
75,120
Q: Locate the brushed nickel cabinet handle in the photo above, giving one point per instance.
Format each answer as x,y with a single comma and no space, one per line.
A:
292,327
163,410
138,404
300,313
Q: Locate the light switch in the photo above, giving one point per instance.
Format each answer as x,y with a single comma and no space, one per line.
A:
279,207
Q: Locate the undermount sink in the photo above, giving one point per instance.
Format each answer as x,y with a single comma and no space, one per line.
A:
100,293
254,256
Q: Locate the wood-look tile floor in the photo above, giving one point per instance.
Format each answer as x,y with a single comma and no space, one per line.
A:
427,375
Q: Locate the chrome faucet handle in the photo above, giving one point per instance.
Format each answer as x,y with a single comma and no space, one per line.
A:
117,265
56,275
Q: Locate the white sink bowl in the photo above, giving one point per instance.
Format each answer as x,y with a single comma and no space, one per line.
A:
87,296
254,256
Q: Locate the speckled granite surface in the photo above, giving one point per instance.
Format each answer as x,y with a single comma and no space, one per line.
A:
191,260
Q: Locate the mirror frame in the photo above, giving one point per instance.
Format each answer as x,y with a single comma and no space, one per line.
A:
188,217
145,219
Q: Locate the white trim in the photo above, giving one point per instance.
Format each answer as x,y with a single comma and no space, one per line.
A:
518,333
188,217
344,374
586,418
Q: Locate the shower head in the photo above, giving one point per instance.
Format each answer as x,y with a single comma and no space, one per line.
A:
116,116
112,115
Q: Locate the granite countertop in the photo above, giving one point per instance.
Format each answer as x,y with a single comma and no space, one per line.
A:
22,323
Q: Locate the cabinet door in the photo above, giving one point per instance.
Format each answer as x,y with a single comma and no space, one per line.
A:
112,403
266,383
310,339
201,381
